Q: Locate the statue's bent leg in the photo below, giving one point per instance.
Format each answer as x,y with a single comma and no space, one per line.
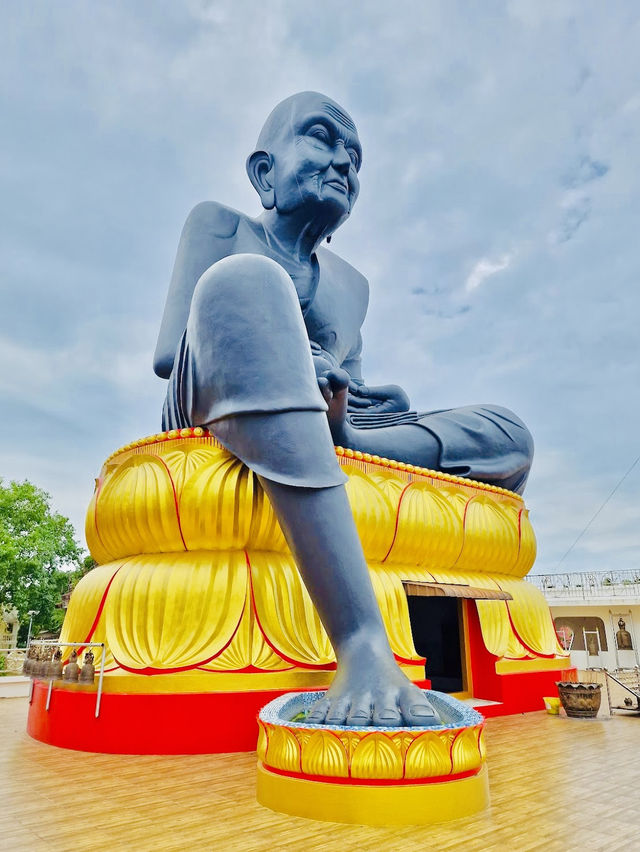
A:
483,442
245,371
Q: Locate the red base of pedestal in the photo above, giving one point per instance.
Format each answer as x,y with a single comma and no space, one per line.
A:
189,723
521,692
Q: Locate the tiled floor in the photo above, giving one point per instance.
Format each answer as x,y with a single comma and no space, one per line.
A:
556,784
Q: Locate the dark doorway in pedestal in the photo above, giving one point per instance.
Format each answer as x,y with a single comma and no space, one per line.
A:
435,625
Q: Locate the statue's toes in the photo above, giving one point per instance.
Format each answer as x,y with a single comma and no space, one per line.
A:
318,712
361,711
386,712
416,710
337,712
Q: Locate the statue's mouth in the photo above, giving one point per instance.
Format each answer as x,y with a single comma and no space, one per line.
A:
341,186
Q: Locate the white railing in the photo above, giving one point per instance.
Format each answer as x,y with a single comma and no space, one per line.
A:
588,585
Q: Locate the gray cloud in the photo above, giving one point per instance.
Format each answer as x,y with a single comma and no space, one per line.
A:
500,148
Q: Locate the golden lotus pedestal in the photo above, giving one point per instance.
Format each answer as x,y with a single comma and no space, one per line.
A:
205,617
370,775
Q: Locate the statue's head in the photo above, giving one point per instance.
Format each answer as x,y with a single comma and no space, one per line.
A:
307,159
621,624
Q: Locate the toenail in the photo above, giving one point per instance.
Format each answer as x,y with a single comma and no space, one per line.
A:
420,710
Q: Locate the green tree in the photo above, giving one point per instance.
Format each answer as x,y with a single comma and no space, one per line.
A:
36,543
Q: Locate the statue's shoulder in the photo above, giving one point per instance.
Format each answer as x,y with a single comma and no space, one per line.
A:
213,219
343,272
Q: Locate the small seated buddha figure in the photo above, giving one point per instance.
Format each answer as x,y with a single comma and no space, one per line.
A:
72,669
260,342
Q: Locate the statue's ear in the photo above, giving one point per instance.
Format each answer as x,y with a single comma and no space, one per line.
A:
260,171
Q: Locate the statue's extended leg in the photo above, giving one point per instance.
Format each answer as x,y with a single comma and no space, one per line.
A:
368,686
245,370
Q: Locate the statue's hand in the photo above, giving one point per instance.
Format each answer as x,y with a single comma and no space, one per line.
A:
378,399
323,363
334,385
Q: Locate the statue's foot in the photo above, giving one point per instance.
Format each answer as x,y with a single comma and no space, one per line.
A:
373,693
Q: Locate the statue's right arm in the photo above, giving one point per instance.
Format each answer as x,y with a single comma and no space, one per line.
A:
207,237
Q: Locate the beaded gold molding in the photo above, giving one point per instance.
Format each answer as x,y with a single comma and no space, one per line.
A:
341,452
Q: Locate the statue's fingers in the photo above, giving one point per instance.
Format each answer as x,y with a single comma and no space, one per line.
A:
339,379
359,402
325,388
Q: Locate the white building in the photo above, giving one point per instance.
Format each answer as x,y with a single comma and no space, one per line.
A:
596,616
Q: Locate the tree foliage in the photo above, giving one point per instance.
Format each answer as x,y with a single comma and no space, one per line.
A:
35,544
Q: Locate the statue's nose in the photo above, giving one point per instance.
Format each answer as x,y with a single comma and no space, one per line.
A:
341,159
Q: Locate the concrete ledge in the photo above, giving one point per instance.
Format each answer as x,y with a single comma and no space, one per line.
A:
14,687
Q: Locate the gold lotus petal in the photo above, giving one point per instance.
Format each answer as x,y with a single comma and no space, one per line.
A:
392,600
324,754
482,745
135,510
175,610
376,756
216,505
85,603
285,612
491,535
465,753
527,552
283,749
530,616
429,530
261,747
373,512
428,756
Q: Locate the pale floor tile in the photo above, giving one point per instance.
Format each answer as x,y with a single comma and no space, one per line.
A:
555,783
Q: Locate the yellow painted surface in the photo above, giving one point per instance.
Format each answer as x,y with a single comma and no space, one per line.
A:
196,574
381,755
419,804
537,665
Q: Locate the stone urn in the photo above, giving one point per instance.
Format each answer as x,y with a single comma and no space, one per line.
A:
580,700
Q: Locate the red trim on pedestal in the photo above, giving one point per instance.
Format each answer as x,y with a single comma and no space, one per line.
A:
518,692
189,723
372,782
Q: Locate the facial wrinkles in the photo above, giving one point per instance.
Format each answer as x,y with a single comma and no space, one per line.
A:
341,117
348,139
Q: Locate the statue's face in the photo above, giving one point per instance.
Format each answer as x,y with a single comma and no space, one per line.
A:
317,156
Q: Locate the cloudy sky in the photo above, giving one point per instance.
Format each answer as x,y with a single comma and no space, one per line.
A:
497,221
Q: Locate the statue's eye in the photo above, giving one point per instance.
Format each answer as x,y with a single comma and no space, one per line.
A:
320,132
355,159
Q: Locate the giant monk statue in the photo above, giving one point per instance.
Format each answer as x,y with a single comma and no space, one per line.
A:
260,342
